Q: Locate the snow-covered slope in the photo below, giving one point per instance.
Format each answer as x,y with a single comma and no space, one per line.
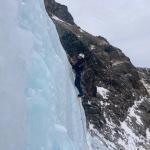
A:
124,23
39,109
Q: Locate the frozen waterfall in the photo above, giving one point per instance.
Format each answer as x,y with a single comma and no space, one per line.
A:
39,109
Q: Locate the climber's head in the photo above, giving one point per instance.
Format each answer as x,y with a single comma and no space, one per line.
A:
81,56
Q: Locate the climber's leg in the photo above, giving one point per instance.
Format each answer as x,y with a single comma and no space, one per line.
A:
78,85
94,91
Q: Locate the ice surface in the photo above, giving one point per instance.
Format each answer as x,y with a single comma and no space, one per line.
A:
39,109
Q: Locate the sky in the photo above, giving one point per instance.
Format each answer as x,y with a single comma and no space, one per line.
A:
124,23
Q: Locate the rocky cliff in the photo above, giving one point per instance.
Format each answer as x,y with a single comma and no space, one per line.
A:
115,93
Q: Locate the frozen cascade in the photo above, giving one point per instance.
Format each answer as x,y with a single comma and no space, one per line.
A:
39,108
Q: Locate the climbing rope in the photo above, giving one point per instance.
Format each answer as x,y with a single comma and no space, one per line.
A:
84,128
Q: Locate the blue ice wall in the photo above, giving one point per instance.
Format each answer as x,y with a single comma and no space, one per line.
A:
37,92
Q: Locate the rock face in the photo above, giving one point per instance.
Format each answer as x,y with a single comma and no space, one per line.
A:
144,74
57,9
121,103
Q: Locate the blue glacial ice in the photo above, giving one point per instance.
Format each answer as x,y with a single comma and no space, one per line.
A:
39,106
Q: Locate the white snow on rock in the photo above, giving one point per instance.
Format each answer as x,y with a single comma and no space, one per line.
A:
103,92
133,111
92,47
115,63
130,139
130,144
56,18
146,85
82,55
95,140
148,134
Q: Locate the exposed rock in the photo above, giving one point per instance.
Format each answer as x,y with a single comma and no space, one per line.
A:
144,74
106,66
61,11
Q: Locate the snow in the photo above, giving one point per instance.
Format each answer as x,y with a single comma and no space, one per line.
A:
82,55
117,63
39,109
95,141
132,138
103,92
56,18
133,111
146,85
92,47
148,134
127,138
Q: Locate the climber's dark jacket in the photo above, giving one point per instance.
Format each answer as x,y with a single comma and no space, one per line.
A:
78,68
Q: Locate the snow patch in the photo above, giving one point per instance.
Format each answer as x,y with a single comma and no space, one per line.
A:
103,92
56,18
95,140
117,63
92,47
132,111
146,85
130,139
82,55
148,134
130,144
